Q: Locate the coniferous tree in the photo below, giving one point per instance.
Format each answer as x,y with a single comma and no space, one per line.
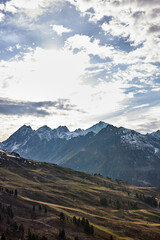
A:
7,231
8,221
21,230
87,226
78,221
45,209
91,230
74,220
40,207
3,237
83,221
44,238
61,234
15,226
29,236
62,216
15,192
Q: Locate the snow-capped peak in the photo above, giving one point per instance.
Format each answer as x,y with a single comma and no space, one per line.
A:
44,132
25,133
97,127
60,132
24,130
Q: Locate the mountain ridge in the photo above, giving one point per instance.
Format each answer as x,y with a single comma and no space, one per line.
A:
103,148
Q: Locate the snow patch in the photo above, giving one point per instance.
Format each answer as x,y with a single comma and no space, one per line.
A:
156,150
8,155
2,151
15,147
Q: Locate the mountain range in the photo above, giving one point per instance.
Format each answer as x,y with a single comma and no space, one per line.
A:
118,153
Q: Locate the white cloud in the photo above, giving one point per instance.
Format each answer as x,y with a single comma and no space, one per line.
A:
1,7
85,44
141,106
1,17
145,73
30,8
60,29
51,74
18,46
144,119
10,49
137,20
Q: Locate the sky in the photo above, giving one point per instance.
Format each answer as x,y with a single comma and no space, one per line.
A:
78,62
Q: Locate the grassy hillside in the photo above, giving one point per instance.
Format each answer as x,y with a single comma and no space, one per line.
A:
45,199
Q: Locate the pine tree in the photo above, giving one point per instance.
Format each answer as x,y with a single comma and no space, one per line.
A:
21,228
15,226
75,220
44,238
45,209
62,216
29,236
61,233
87,226
78,222
83,221
15,192
91,230
3,237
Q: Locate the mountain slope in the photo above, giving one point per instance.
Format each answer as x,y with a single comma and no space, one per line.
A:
45,191
50,145
119,153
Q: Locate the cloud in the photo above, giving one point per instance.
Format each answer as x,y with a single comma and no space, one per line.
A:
141,106
32,9
60,29
84,43
1,16
52,73
154,28
1,7
39,109
129,19
109,56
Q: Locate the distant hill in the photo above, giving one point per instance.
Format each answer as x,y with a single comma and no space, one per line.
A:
118,153
43,201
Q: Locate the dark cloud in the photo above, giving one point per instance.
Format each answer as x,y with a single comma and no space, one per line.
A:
147,2
11,107
140,2
155,12
116,3
154,29
149,127
138,14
